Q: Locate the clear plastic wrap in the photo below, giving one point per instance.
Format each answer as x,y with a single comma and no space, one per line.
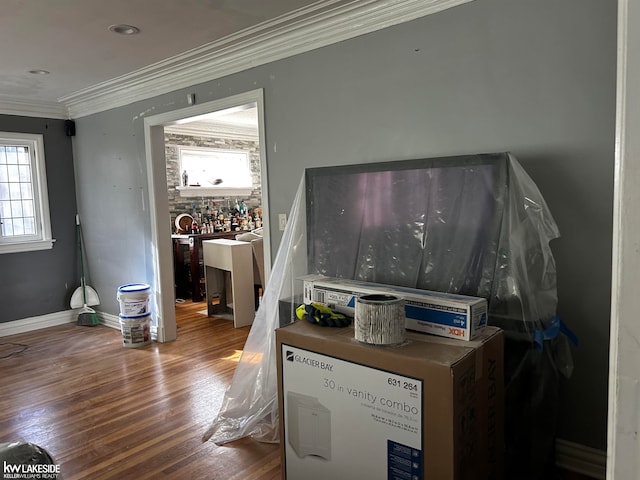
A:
474,225
250,406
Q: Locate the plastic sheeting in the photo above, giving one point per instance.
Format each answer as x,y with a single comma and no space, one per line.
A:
250,404
474,225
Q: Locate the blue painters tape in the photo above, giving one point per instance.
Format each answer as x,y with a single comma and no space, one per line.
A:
552,331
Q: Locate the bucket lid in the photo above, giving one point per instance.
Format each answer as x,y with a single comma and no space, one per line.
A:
134,317
134,287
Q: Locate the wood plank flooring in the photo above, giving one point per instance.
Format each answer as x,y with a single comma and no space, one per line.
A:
108,412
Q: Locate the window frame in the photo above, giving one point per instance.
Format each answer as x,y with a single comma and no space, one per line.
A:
43,239
214,190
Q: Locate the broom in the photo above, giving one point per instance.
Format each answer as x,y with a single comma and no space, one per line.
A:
87,316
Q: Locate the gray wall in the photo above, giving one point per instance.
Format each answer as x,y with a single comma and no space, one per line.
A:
533,78
41,282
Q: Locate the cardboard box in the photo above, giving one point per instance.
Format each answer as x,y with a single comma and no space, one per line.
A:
431,408
443,314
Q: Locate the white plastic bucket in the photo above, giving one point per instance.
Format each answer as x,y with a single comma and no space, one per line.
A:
134,299
136,330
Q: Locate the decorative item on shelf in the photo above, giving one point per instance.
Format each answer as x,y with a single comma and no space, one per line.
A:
194,226
183,223
185,178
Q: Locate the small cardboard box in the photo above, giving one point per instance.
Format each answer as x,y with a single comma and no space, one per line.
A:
443,314
429,409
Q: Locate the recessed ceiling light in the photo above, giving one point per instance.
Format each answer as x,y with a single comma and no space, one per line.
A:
124,29
39,72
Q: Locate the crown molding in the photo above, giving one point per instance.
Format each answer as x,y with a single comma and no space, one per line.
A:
33,108
221,131
318,25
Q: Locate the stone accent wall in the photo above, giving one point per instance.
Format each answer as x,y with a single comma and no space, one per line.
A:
178,204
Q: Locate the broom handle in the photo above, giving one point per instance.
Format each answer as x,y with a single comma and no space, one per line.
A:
82,282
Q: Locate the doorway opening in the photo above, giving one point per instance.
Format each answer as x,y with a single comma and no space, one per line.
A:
230,116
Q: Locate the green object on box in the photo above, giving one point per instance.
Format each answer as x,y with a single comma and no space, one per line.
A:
319,314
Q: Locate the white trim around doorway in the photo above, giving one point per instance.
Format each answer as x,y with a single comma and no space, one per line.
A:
164,295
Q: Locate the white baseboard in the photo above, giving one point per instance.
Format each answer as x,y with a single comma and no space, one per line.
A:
51,320
36,323
580,459
108,320
59,318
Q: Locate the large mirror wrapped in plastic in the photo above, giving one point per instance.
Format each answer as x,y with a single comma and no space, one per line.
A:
473,225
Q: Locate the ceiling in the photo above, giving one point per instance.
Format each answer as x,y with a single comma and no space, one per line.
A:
181,43
71,40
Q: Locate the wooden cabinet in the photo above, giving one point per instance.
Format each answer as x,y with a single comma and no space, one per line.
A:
188,266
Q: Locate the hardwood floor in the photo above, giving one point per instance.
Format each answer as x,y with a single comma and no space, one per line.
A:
108,412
